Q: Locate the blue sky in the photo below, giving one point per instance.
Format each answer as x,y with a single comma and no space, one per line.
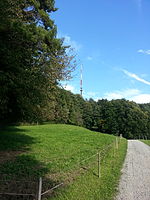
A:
112,41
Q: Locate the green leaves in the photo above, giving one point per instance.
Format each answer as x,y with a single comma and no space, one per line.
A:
32,59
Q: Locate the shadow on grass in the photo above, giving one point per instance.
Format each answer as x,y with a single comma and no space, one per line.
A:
21,176
24,166
20,168
14,139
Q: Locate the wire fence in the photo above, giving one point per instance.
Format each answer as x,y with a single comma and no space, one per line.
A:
43,187
17,189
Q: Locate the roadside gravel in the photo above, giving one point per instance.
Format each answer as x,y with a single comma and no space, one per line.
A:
135,179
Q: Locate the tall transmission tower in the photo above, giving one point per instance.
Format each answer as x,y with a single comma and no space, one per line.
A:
81,78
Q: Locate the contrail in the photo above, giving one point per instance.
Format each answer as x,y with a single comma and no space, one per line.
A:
136,77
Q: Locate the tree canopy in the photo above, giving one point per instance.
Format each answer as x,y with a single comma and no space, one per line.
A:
32,59
113,117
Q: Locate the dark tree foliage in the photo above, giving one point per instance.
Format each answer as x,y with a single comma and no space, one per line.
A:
68,108
113,117
32,60
145,107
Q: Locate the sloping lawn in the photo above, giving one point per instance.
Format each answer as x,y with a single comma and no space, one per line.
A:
57,152
146,142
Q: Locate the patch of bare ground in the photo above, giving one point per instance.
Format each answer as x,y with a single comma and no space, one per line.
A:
8,155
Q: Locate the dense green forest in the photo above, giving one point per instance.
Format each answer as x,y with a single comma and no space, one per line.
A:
114,117
34,61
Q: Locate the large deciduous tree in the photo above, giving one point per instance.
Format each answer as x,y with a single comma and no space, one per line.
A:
32,60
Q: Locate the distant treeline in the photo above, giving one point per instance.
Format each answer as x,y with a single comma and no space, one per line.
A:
116,117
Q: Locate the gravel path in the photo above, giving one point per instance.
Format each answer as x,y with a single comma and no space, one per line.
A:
135,180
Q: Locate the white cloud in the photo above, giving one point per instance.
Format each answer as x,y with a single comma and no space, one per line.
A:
113,95
91,94
136,77
75,45
69,88
130,94
142,98
144,51
88,95
68,41
140,51
121,94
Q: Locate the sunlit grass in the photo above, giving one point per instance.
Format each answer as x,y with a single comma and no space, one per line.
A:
146,142
56,151
89,186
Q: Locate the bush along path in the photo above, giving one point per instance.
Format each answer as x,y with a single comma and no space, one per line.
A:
135,180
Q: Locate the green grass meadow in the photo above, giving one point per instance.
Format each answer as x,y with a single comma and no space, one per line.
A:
146,142
57,153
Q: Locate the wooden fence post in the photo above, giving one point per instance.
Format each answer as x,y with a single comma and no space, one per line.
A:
114,148
116,142
40,188
99,174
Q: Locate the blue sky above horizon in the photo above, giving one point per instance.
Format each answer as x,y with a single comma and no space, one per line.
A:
112,41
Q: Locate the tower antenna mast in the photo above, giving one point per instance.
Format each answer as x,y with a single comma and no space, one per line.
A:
81,78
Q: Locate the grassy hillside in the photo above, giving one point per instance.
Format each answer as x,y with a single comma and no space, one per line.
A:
56,152
146,142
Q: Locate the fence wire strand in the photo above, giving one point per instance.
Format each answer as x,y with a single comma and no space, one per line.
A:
27,190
